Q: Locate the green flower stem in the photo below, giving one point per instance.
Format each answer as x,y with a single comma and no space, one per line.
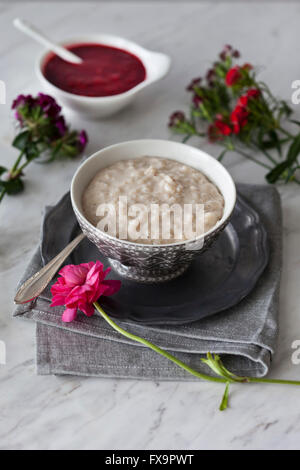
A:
24,166
156,348
288,134
252,158
186,138
273,381
269,157
17,162
228,377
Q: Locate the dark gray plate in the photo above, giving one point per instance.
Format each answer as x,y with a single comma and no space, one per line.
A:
216,280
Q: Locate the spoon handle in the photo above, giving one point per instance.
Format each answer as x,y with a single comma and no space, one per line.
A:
39,281
33,32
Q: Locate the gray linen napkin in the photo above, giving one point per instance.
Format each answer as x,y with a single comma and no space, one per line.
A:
244,335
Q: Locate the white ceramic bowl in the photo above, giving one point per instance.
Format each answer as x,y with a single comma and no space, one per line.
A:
151,263
155,63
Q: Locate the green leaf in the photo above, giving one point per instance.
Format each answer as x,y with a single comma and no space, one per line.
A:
294,121
220,70
289,174
2,170
215,363
294,150
37,112
285,108
13,186
275,140
292,155
269,144
205,112
224,402
21,140
32,152
68,150
272,142
228,62
276,172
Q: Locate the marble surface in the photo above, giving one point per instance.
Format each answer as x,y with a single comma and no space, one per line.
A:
74,413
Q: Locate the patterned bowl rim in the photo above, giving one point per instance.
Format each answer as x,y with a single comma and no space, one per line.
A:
219,225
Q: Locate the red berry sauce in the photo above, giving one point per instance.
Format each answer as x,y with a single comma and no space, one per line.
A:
105,71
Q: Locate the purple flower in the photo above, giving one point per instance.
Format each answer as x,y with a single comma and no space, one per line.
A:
195,82
23,100
176,118
210,75
41,117
60,123
18,116
48,105
197,100
229,51
82,140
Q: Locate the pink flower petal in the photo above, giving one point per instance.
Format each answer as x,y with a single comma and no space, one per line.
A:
60,289
87,309
58,300
93,273
74,275
69,315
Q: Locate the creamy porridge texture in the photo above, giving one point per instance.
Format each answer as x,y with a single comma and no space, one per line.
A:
147,181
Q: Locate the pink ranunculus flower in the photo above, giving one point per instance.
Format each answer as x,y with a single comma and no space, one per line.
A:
79,286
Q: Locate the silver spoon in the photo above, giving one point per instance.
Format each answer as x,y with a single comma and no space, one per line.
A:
38,36
33,287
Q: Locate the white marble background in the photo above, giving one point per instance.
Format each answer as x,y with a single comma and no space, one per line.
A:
73,413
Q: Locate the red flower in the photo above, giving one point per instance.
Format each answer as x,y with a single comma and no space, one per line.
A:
233,76
252,93
218,129
243,101
222,127
239,118
212,133
247,67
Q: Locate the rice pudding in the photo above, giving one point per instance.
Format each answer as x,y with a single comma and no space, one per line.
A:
149,182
